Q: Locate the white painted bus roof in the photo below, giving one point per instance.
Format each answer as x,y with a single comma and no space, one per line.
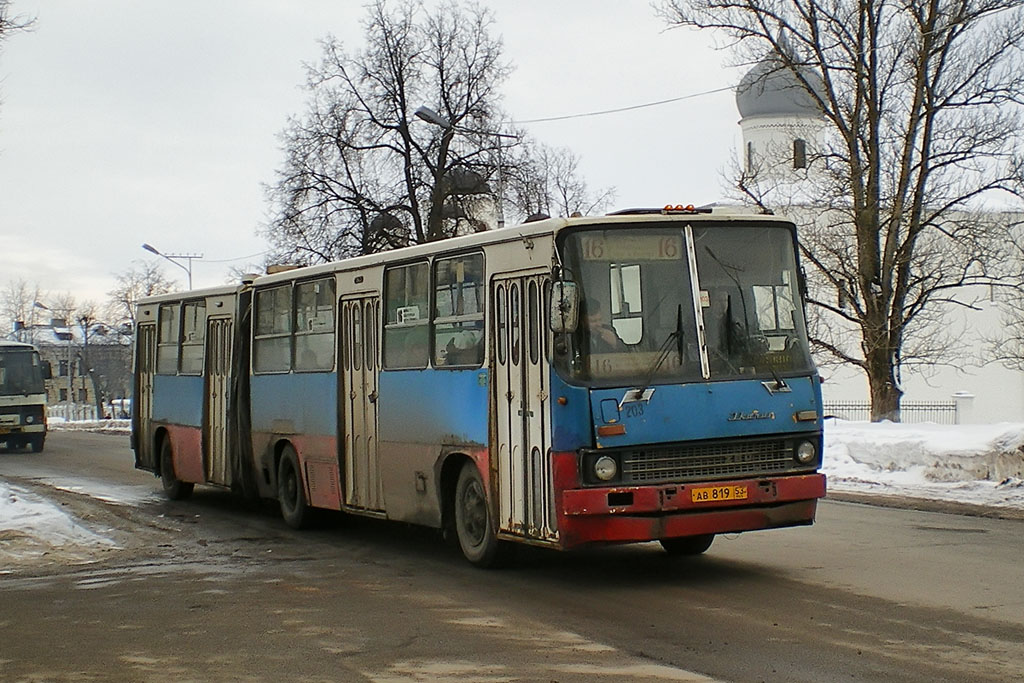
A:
514,233
511,234
15,345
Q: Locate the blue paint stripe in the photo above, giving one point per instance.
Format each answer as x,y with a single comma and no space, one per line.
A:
433,406
306,401
178,400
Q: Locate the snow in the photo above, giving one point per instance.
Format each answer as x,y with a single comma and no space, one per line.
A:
977,464
32,527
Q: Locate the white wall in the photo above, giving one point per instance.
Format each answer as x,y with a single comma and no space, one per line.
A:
998,392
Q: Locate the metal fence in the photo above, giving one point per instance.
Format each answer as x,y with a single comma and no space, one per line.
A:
911,412
72,412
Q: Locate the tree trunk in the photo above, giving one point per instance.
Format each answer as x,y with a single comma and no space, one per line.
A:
435,220
885,390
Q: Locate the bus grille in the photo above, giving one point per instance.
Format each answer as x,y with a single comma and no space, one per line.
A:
707,461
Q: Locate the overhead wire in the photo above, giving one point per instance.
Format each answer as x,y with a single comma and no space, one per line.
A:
237,258
622,109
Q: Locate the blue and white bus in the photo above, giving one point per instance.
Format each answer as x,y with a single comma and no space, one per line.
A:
640,376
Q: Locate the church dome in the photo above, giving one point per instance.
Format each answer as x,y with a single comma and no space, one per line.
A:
769,89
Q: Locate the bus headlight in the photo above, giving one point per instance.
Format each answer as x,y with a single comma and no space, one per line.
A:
806,452
29,419
605,468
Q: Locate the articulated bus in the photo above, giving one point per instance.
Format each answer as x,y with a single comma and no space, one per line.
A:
22,396
640,376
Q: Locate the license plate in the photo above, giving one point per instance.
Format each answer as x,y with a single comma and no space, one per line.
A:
712,494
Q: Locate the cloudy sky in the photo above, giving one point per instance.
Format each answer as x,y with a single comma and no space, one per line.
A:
125,122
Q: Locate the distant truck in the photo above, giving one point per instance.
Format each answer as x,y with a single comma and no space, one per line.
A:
22,396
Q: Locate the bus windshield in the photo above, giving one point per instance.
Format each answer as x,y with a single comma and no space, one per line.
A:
644,303
20,372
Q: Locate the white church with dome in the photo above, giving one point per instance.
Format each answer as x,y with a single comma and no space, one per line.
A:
781,127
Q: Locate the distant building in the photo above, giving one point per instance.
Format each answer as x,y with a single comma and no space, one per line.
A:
89,372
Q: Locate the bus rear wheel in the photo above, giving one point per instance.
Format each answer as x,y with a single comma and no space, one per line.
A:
290,495
174,488
687,545
473,527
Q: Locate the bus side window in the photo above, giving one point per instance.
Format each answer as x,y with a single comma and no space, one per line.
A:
193,337
314,325
407,320
459,311
167,341
272,344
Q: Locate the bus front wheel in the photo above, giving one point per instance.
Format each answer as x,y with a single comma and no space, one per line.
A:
174,488
473,526
37,444
290,495
687,545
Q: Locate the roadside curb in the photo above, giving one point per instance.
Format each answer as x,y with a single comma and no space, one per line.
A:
926,505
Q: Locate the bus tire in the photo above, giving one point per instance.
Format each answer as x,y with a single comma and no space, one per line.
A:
687,545
37,443
473,525
174,488
290,494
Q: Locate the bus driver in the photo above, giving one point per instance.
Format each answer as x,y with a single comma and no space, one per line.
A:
603,337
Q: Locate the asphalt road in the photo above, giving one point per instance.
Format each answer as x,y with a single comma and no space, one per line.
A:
215,589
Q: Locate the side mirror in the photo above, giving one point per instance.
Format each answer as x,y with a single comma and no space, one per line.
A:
565,307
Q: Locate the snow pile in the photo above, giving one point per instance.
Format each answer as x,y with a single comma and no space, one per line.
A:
978,464
102,426
31,527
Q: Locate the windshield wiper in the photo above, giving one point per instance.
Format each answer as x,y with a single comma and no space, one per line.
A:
665,349
780,385
728,270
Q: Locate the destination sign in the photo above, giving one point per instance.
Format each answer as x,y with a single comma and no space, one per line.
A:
625,248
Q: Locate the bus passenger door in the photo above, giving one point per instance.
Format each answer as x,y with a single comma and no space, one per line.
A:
521,402
360,365
217,389
145,368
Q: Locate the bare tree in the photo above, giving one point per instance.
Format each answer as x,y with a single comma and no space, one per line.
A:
547,181
63,305
1008,347
9,23
362,173
18,311
921,100
141,280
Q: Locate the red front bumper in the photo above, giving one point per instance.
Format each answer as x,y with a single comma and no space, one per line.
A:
647,513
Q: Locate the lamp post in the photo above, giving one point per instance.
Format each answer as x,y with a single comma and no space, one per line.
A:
171,257
430,116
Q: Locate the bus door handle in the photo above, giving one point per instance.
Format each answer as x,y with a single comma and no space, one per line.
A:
373,396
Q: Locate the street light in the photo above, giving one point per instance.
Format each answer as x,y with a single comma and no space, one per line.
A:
430,116
171,257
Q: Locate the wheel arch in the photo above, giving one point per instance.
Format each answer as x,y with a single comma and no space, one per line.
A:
160,434
450,465
277,453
